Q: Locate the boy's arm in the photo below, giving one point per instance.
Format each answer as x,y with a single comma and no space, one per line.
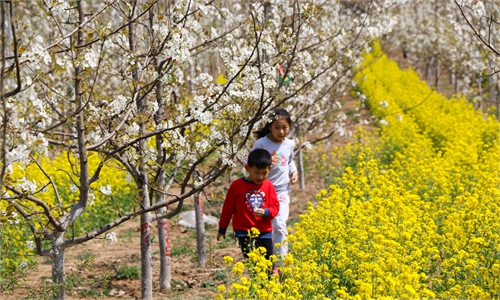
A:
228,209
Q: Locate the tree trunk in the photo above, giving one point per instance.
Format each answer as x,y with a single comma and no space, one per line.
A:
146,267
142,181
165,260
428,70
302,176
498,105
162,225
200,231
57,254
438,74
480,105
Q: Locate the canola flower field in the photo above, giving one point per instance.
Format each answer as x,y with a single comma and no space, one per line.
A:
412,211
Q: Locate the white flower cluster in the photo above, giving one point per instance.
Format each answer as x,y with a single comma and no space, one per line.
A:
27,185
30,244
106,189
12,217
38,54
111,237
118,105
91,59
204,117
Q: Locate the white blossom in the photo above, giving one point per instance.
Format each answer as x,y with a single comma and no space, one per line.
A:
27,185
106,189
133,129
118,105
111,237
91,59
91,199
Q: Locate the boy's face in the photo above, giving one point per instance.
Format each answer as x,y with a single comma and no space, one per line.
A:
257,175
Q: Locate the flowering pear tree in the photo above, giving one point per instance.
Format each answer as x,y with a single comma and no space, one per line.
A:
166,91
437,35
482,19
107,81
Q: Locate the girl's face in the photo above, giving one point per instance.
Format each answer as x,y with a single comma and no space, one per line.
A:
279,130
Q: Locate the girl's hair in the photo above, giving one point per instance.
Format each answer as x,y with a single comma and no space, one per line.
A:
280,113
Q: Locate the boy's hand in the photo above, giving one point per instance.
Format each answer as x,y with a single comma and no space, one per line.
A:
294,178
220,235
259,212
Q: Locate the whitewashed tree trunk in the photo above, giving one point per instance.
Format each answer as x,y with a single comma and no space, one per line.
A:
200,231
146,266
57,255
165,260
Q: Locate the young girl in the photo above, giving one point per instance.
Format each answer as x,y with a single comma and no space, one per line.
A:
273,138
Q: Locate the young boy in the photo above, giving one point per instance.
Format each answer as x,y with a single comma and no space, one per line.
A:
251,202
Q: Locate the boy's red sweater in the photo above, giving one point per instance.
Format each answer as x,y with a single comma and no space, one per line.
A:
238,205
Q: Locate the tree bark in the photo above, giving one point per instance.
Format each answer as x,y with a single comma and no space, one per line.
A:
57,255
142,181
479,104
146,267
302,179
438,74
165,260
200,231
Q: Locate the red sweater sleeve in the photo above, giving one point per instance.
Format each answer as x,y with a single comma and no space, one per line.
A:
229,207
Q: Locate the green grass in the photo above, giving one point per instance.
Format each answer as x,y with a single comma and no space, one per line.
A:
85,256
132,272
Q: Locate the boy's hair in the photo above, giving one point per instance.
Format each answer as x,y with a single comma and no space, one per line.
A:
259,158
277,112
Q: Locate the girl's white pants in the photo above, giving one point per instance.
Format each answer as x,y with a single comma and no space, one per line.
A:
279,225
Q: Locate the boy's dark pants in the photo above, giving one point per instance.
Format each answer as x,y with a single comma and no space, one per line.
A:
246,247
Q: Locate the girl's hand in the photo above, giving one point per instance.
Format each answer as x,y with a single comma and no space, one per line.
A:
276,160
220,235
259,212
294,178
